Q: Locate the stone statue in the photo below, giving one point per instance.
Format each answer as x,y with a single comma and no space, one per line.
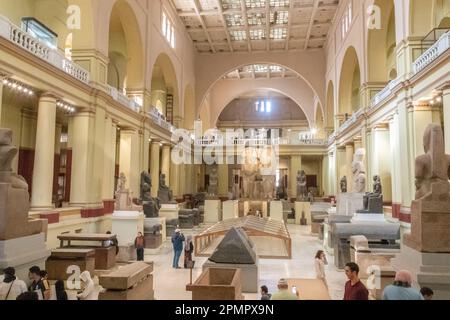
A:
15,199
359,172
269,187
344,184
430,212
151,205
302,191
213,182
122,182
164,194
373,201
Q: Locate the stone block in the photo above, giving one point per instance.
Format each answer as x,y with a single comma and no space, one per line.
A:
217,284
57,265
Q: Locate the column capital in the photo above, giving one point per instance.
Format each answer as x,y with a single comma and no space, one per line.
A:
349,144
4,75
381,127
357,139
445,88
49,95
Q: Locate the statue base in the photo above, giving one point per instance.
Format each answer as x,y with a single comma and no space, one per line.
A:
23,253
428,270
302,207
169,211
349,203
368,217
126,225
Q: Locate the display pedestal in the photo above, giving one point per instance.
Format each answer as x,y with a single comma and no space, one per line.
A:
230,209
302,207
150,222
276,211
23,253
126,225
349,203
169,211
428,270
213,211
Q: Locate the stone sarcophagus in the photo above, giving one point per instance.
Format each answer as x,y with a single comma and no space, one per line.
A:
60,262
217,284
131,282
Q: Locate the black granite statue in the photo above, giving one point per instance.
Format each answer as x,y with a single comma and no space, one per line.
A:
151,205
373,201
343,184
164,194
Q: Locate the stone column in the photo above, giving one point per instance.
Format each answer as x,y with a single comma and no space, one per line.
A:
330,174
41,198
222,177
446,112
110,159
341,167
405,150
175,179
295,166
57,158
381,160
367,158
129,159
165,163
396,163
358,143
154,167
349,153
1,98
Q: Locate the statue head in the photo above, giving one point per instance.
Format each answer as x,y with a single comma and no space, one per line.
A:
146,178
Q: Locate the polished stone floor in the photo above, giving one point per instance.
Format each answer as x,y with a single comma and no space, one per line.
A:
170,284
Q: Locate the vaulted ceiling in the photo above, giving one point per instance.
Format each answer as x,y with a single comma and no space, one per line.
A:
256,25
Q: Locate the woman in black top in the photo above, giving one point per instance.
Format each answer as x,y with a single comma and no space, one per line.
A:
188,250
61,293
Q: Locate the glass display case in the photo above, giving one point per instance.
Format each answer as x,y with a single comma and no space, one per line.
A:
40,31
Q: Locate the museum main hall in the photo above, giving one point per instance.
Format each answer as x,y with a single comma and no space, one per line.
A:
224,150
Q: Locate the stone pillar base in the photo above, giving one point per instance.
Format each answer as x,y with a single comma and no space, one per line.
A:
23,253
428,269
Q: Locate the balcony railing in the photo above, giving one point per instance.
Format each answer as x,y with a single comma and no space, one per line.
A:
432,53
353,119
258,142
383,94
24,40
123,99
160,120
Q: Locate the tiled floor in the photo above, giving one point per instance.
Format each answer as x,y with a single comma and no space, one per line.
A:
170,284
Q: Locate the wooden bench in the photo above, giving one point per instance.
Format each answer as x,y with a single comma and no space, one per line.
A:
131,282
61,259
105,257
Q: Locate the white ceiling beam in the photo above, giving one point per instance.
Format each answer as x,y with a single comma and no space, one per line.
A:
237,28
311,23
247,30
267,26
202,21
291,16
219,6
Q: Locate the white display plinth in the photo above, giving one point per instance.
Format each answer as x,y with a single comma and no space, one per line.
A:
230,209
349,203
265,210
302,207
326,233
276,210
23,253
169,211
150,222
213,211
126,225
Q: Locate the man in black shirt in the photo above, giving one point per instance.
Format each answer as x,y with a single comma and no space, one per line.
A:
39,286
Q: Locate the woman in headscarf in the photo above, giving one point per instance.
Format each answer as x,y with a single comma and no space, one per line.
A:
11,287
401,289
188,250
89,292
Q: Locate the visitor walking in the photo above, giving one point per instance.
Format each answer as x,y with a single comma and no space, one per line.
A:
177,242
265,295
139,243
401,288
188,251
38,284
11,287
319,262
354,288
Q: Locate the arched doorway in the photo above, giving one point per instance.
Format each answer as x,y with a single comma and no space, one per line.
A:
349,84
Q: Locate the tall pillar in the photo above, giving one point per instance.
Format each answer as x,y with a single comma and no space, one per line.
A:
129,159
358,143
446,112
165,162
395,165
154,167
57,157
368,159
349,153
405,139
1,98
223,179
41,198
295,166
381,160
341,166
145,151
110,159
175,179
330,174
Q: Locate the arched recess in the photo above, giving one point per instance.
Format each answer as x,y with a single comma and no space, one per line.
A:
427,15
319,122
165,89
330,114
349,84
189,108
382,43
125,51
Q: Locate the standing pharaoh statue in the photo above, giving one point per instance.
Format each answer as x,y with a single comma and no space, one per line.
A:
302,191
151,205
359,172
343,184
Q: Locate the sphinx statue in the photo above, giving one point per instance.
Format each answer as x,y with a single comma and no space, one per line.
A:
373,201
302,191
343,184
359,172
151,205
15,199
